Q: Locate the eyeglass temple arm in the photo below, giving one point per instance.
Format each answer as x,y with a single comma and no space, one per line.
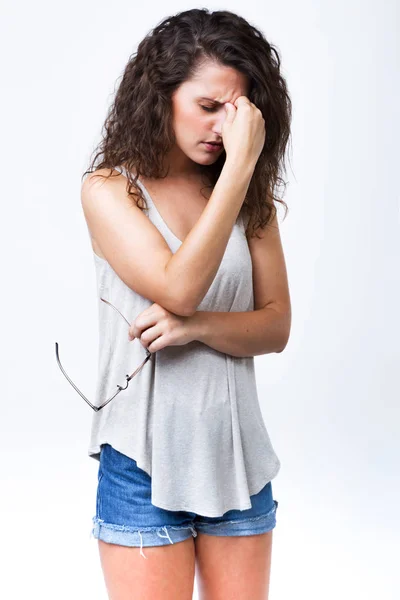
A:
128,377
70,380
115,308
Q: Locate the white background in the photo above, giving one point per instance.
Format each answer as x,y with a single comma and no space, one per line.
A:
330,400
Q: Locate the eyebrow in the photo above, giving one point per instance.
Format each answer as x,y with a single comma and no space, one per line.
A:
210,100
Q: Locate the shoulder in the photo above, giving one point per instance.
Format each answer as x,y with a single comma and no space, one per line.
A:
104,194
99,178
106,184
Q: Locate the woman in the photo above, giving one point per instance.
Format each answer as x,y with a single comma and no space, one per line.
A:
185,460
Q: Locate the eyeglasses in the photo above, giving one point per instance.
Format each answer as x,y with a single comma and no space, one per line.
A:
119,387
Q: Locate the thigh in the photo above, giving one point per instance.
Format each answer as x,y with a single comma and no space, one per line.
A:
125,514
233,552
168,573
129,529
233,566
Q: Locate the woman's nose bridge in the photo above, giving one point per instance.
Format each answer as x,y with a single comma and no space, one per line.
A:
220,118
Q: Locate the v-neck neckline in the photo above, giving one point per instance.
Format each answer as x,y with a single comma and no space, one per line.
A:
151,201
147,194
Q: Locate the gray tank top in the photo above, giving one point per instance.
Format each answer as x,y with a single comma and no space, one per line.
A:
191,417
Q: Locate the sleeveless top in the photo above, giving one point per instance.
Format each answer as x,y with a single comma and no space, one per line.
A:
191,417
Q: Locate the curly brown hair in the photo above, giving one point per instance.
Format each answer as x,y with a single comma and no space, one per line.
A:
171,54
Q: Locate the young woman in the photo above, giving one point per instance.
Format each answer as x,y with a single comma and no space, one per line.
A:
199,282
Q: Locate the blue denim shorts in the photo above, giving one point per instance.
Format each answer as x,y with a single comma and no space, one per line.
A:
126,516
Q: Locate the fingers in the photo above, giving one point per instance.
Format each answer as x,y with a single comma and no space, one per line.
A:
244,100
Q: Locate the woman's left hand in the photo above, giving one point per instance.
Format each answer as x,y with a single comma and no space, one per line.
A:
157,328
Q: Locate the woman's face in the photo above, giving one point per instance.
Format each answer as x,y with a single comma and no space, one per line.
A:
199,112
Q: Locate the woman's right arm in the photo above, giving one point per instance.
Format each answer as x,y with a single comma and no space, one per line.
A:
138,252
192,269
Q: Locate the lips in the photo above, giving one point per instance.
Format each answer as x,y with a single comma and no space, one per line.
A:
212,147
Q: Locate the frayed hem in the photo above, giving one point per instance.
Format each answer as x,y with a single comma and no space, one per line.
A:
128,536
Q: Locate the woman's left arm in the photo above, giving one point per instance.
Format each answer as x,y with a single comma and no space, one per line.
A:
241,334
265,329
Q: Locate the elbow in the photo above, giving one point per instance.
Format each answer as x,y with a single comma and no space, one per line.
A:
185,304
285,328
281,349
185,310
177,297
283,344
190,312
189,305
181,307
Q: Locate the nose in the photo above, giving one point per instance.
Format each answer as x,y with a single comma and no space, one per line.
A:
220,118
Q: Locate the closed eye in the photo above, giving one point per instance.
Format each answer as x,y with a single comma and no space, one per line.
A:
208,109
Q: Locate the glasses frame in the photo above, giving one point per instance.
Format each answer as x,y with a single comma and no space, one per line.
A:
119,387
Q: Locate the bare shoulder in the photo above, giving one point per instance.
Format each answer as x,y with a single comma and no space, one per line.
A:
128,240
99,188
101,180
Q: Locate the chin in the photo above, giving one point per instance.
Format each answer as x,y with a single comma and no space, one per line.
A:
208,158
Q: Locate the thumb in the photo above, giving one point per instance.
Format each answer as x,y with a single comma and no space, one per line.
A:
230,112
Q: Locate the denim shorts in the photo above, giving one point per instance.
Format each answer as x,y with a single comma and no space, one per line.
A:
126,516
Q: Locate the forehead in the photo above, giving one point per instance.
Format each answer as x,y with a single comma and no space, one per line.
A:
219,83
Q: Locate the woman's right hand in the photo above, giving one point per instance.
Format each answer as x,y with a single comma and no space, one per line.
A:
243,131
